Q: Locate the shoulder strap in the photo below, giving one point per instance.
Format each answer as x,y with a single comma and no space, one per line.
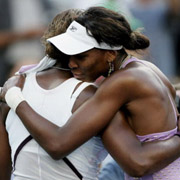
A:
72,167
126,62
19,149
78,91
81,88
65,159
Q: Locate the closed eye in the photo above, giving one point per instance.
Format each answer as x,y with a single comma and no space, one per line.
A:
80,56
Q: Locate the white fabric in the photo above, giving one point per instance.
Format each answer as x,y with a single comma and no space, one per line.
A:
14,97
45,63
33,162
76,40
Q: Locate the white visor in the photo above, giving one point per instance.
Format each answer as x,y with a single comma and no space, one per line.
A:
76,40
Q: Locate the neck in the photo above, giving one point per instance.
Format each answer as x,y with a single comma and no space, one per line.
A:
60,68
120,59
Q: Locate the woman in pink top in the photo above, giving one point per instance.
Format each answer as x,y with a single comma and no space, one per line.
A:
135,94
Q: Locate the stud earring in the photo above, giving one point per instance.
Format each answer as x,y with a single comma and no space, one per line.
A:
111,68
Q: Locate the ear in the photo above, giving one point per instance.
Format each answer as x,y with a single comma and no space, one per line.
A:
111,55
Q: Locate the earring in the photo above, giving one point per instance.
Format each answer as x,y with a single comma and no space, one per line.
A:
111,68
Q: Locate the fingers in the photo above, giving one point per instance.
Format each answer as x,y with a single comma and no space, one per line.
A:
21,81
17,80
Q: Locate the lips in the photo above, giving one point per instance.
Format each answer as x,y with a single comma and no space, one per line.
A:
77,75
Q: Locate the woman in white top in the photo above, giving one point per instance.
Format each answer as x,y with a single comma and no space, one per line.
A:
53,93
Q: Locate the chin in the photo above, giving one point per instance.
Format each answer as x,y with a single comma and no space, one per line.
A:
87,80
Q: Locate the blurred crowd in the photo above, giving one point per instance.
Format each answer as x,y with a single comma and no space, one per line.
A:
22,24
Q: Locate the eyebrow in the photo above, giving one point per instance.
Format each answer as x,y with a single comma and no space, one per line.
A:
82,55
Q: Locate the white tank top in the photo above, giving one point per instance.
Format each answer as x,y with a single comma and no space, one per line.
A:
32,161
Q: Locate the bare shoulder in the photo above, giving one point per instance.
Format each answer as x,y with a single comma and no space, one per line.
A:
118,89
121,79
129,83
86,94
164,79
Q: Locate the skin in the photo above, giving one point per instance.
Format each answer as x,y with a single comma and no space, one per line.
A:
115,99
91,69
5,160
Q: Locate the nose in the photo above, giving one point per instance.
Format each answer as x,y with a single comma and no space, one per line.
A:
72,63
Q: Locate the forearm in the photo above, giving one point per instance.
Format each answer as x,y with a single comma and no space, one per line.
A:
5,158
60,141
137,158
154,156
42,130
56,141
141,159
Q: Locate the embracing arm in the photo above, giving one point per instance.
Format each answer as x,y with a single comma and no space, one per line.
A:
136,158
57,141
5,158
89,120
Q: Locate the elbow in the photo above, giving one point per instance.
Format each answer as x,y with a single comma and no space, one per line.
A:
55,155
138,168
54,151
138,171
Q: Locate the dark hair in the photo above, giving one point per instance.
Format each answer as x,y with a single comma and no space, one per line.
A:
112,28
58,26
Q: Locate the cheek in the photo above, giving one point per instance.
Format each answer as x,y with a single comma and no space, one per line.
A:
88,67
102,68
90,72
94,67
97,70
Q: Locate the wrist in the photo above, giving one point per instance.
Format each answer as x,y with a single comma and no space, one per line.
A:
14,97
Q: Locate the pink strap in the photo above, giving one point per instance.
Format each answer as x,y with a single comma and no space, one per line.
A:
128,61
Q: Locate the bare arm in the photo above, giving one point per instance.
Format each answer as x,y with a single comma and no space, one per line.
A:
5,158
136,158
52,143
87,121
